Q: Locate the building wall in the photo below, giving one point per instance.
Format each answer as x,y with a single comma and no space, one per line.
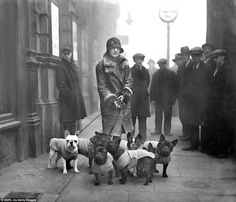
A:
221,31
29,114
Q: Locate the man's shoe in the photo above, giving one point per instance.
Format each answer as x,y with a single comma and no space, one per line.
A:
190,148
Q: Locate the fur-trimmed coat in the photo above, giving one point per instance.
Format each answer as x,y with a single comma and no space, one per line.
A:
112,79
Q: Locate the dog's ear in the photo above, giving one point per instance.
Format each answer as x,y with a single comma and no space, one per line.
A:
162,138
94,139
66,133
174,142
77,133
150,147
97,133
129,135
139,136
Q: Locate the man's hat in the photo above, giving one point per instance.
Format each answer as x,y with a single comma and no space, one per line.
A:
184,50
178,57
114,43
162,61
211,46
66,48
138,55
196,51
217,53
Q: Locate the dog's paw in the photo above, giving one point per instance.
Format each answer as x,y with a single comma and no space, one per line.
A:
96,183
110,182
146,183
90,172
121,181
164,175
64,172
77,171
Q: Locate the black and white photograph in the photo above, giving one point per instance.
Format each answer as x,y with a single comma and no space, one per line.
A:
118,100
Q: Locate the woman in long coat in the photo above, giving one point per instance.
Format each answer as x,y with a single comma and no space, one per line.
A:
140,98
71,103
114,87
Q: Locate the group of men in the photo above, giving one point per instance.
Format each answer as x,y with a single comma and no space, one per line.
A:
205,94
203,85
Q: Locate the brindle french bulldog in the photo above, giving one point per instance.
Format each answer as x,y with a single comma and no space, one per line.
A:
102,161
126,159
163,152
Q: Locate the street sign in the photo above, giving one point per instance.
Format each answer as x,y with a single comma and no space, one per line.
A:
168,13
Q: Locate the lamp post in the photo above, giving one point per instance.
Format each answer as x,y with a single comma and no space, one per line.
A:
168,13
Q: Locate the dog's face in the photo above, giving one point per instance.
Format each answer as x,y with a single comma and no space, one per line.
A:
100,154
113,145
165,147
100,141
138,140
71,141
131,144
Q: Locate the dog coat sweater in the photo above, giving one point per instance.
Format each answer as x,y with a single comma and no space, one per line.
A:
105,168
59,145
123,144
85,146
130,157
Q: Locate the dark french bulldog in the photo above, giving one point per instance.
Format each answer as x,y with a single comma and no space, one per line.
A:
102,161
127,159
162,152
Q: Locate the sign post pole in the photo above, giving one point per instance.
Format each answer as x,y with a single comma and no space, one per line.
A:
168,13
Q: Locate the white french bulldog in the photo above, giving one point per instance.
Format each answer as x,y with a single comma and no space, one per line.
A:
66,148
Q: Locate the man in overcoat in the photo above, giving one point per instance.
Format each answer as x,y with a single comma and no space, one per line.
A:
217,107
163,94
71,103
114,84
140,98
194,94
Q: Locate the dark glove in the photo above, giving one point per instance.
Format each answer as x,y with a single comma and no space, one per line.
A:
126,94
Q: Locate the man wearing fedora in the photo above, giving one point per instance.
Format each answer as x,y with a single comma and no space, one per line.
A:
163,94
114,82
194,95
140,98
71,103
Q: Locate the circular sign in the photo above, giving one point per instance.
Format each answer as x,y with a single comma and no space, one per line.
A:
168,13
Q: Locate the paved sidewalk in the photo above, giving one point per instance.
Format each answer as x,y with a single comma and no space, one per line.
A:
193,176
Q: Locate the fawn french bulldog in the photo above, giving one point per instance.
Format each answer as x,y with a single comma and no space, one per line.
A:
126,159
163,152
66,148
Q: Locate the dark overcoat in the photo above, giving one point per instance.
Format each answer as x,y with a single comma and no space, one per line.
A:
71,103
217,95
140,96
196,82
112,79
164,87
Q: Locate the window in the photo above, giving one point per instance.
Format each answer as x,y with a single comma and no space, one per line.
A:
55,29
75,40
